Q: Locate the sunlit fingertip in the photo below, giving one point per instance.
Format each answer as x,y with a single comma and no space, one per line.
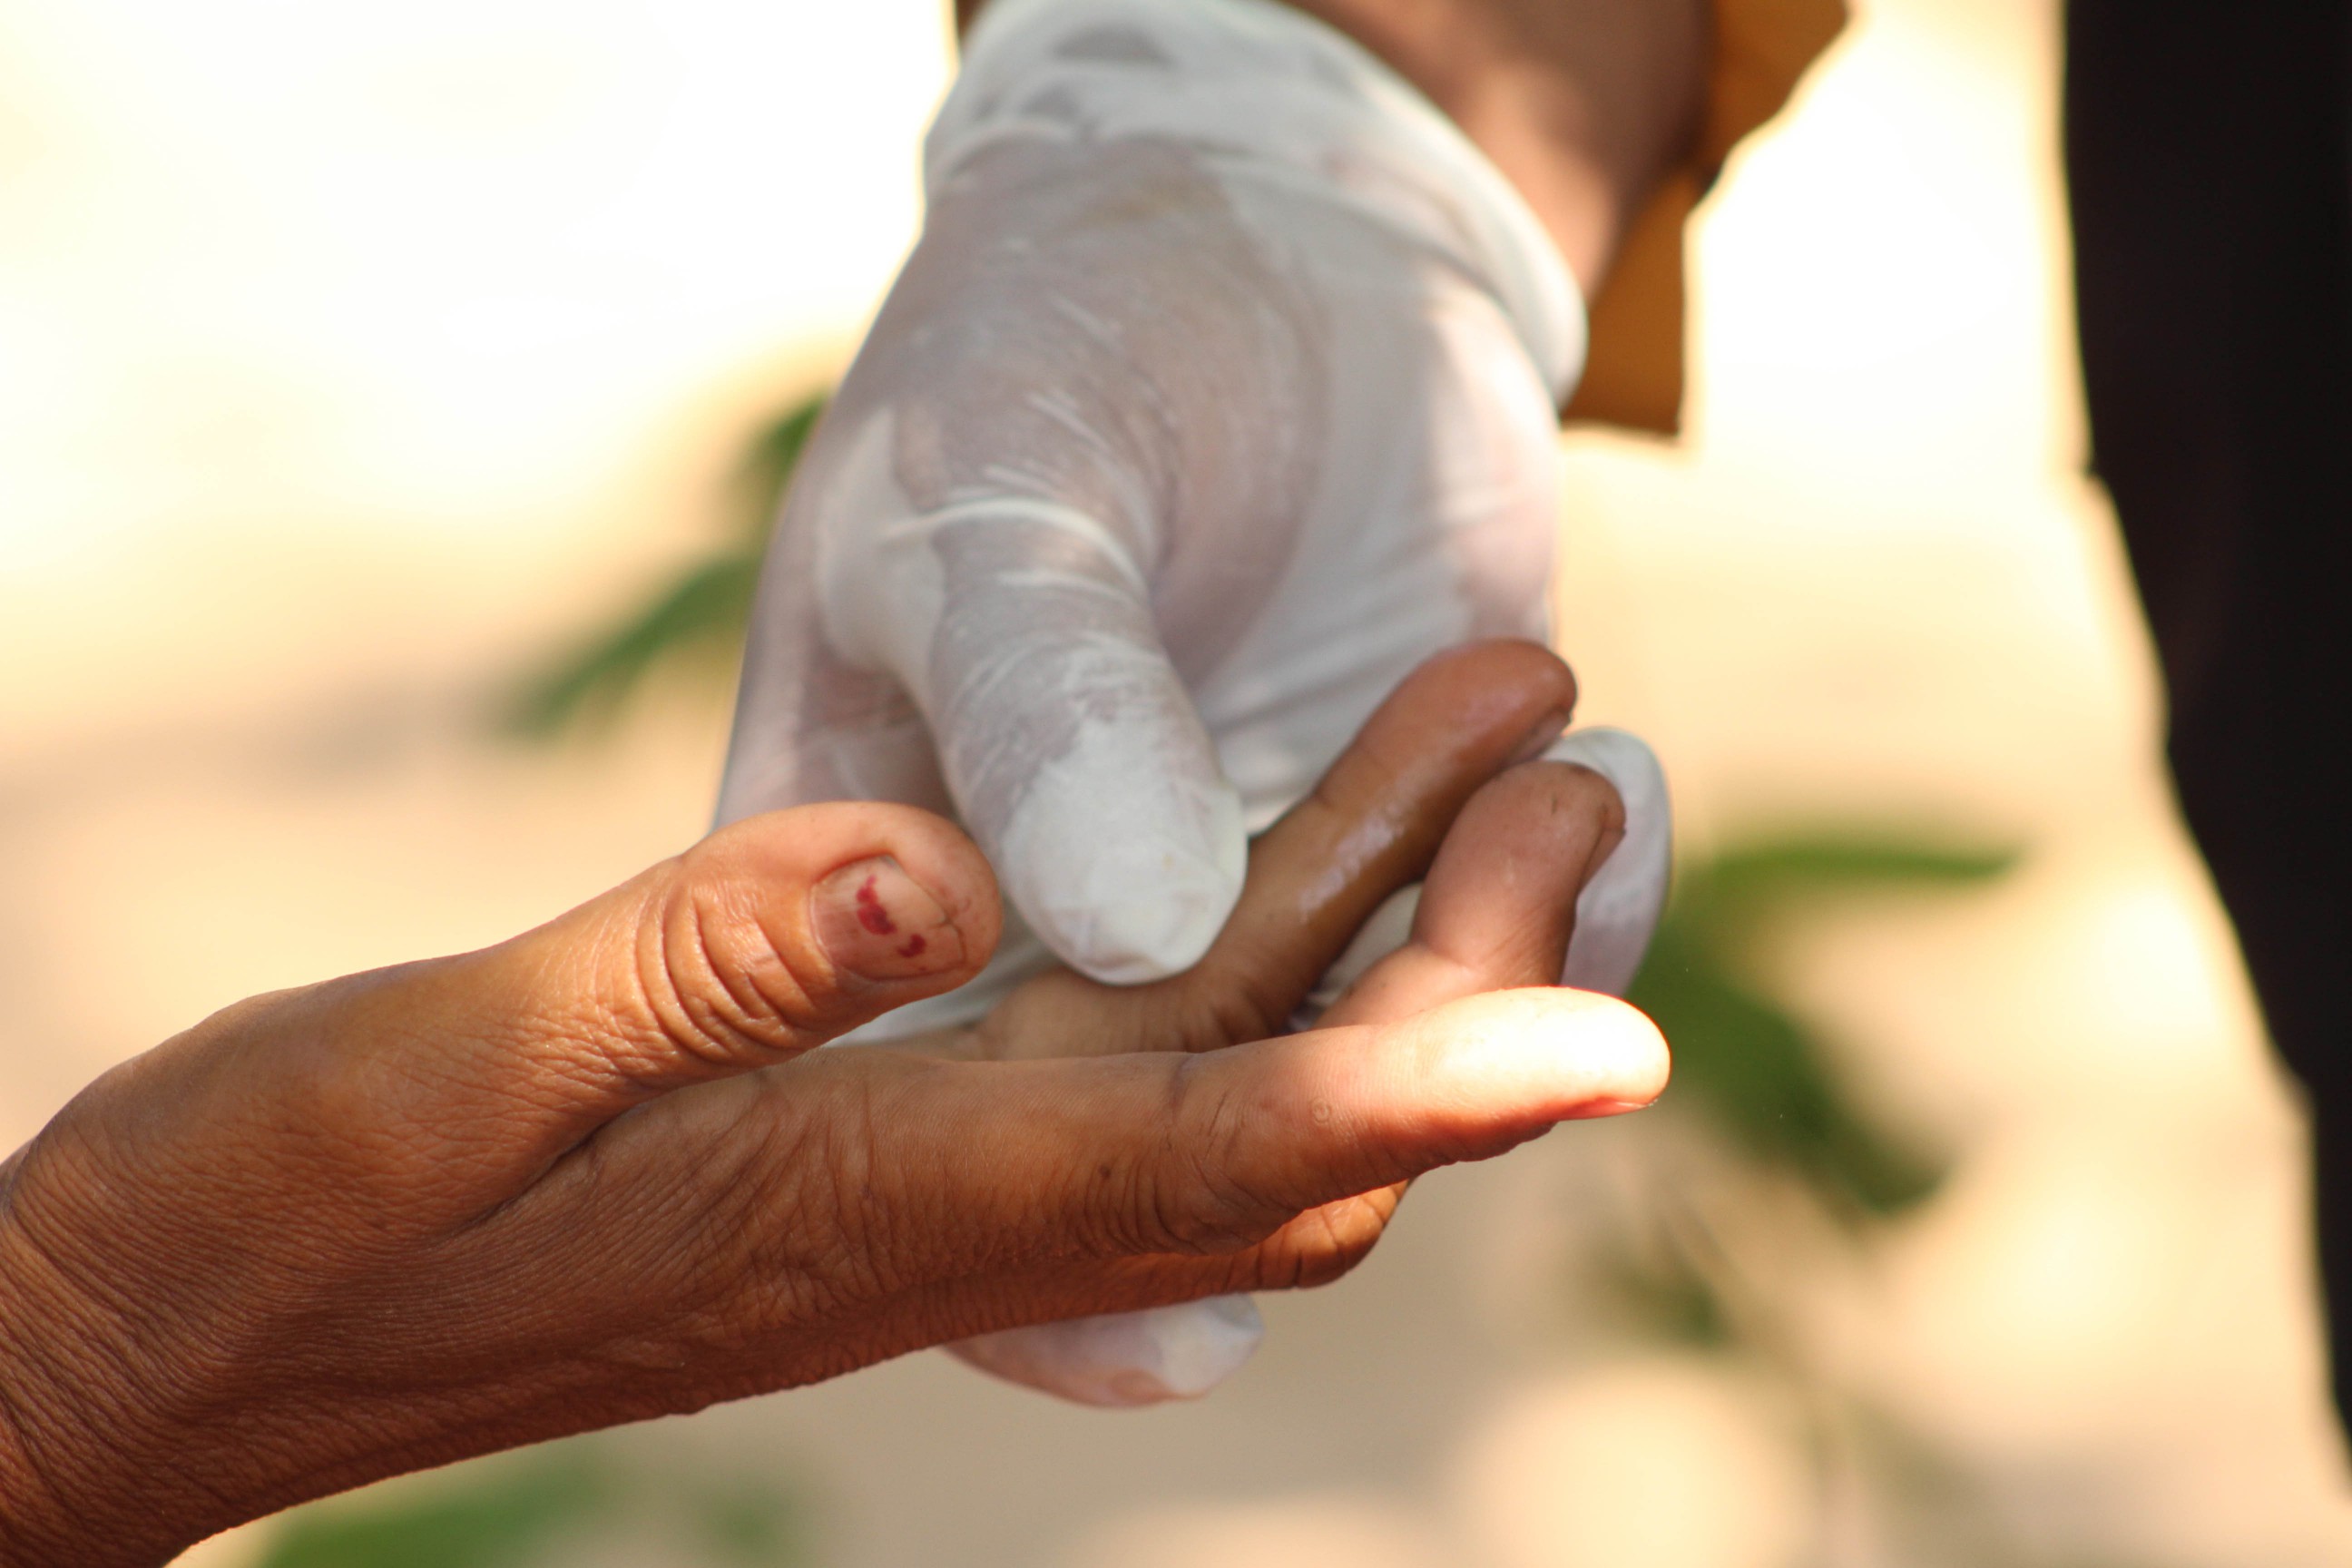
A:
1606,1105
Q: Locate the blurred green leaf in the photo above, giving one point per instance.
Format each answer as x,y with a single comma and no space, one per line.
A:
1754,1068
1726,893
766,466
749,1525
1661,1297
701,611
705,609
523,1511
499,1521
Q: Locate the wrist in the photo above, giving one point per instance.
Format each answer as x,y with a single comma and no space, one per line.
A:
47,1511
32,1511
1583,106
85,1478
1282,109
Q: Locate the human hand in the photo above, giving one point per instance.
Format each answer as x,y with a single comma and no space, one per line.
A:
1334,926
1219,393
593,1174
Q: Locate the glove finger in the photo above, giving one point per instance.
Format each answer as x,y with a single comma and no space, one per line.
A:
810,725
1620,906
1065,735
1125,1359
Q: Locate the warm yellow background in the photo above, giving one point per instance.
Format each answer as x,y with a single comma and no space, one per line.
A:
351,357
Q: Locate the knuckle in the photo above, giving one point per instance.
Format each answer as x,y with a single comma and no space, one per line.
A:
1321,1247
1192,1198
768,1239
1249,1005
713,982
823,1226
1587,790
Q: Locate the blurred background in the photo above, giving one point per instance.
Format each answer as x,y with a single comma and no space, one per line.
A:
386,397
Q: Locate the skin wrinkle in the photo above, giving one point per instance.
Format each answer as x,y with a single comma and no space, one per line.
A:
127,1398
733,1031
786,1012
1215,1219
1014,1237
582,1179
581,1159
681,988
661,1005
861,1253
723,995
22,1461
72,1382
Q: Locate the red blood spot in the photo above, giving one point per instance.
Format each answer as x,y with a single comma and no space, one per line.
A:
914,946
870,912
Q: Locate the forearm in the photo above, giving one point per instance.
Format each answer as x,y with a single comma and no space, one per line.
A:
1582,104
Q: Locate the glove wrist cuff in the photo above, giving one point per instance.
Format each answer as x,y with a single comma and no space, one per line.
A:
1258,91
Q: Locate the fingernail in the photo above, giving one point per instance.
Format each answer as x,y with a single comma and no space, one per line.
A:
1592,1109
1540,739
878,924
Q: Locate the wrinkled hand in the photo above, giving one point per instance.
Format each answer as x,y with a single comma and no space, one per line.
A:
1218,393
593,1174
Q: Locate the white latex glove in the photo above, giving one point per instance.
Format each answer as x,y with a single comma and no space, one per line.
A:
1219,391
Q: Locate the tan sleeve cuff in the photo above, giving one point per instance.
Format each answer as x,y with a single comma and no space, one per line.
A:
1634,365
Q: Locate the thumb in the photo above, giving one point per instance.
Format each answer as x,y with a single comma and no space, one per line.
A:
1025,630
768,937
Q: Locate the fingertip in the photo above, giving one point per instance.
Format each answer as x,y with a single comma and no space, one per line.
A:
1502,896
717,960
865,893
1621,1047
1145,910
1128,878
878,923
1545,1052
1342,1111
1619,908
1520,662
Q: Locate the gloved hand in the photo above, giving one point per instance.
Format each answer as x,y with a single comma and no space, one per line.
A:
1219,391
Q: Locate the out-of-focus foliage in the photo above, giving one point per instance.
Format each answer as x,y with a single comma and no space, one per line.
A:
492,1523
1759,1073
1815,1182
513,1512
701,611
